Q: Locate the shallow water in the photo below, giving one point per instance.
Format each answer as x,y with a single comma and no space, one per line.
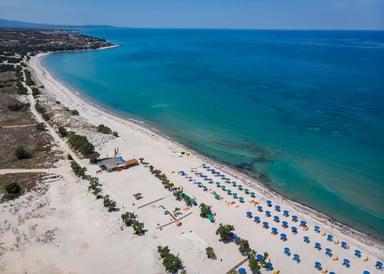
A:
301,110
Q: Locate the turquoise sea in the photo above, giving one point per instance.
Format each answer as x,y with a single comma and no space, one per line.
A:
301,110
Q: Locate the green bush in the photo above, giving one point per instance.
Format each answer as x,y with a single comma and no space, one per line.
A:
210,252
81,144
35,92
104,129
17,107
13,188
77,169
40,126
74,112
63,132
21,153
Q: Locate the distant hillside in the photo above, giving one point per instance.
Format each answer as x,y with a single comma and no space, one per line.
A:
4,23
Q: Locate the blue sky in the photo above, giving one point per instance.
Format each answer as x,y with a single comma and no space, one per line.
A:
244,14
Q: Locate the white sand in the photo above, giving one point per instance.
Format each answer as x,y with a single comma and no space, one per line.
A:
85,238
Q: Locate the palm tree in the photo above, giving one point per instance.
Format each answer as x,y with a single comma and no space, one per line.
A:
128,218
225,232
138,227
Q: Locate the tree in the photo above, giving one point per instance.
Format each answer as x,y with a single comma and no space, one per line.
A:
163,251
129,218
254,264
210,252
225,232
110,204
13,188
81,144
77,169
205,210
138,227
172,263
21,153
243,246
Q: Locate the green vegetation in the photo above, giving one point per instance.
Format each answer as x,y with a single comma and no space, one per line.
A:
205,212
104,129
81,144
12,188
77,169
225,232
210,252
94,186
129,218
115,134
75,112
21,153
21,89
35,92
28,78
108,203
138,228
40,126
39,108
171,262
63,132
17,107
243,246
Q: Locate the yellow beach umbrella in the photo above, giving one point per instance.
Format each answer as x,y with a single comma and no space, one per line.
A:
323,233
365,259
336,242
324,271
335,258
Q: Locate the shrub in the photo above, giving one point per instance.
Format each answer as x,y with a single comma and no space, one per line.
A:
46,116
115,134
77,169
13,188
39,108
35,92
74,112
210,252
17,107
40,126
21,153
69,157
81,144
63,132
104,129
225,232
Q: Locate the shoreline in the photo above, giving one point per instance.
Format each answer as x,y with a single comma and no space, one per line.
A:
248,180
90,112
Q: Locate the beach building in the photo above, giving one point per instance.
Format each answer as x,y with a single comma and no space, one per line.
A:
116,163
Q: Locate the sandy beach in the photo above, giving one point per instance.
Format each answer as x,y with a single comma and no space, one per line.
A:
64,229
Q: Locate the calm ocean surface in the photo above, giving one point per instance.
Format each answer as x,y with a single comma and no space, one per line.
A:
302,110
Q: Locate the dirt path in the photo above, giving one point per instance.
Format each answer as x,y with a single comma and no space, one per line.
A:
16,126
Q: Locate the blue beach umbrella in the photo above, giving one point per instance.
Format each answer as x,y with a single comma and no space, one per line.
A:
283,236
269,203
318,246
260,208
259,257
284,224
294,218
242,270
294,229
303,223
277,207
249,214
379,265
274,230
222,176
330,237
286,213
306,239
265,224
357,253
257,219
317,228
287,251
366,272
268,213
276,218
